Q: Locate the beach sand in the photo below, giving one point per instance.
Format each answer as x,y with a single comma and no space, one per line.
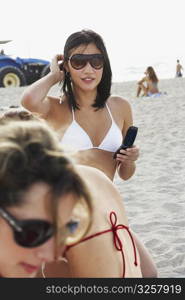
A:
155,195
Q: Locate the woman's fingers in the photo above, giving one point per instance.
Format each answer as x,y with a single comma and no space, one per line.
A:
131,154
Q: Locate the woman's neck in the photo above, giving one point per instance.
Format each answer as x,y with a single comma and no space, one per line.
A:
85,99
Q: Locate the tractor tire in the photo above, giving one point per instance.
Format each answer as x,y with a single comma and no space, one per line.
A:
11,77
45,71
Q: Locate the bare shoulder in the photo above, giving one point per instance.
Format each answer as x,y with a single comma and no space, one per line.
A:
121,111
120,108
97,182
94,178
57,108
53,100
92,173
118,102
48,103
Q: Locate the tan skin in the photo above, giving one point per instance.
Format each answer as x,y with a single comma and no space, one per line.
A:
85,81
17,261
20,262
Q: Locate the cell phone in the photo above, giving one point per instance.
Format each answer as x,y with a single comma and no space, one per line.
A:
128,140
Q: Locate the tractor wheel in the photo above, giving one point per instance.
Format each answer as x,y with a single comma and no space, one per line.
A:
11,77
45,71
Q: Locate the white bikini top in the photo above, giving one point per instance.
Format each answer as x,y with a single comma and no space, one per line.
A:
77,138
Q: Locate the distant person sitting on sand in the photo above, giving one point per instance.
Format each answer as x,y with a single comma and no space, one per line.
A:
148,84
179,69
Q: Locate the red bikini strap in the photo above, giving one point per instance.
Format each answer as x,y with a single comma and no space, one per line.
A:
117,242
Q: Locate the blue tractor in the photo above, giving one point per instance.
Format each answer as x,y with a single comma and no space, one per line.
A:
20,71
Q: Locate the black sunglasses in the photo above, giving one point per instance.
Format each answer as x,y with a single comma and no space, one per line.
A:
79,61
28,233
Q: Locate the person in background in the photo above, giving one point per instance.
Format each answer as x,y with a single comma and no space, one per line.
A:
179,69
148,85
86,116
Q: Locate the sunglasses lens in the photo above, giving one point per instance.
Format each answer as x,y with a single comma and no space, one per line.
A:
78,61
97,62
34,233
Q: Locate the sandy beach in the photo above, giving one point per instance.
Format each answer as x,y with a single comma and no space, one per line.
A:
155,195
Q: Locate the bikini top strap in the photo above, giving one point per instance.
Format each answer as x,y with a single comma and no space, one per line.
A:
73,114
109,112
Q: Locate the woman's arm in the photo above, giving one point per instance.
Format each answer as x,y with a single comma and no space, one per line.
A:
126,159
142,80
35,97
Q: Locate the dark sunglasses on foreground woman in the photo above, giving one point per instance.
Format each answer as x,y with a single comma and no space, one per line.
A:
30,233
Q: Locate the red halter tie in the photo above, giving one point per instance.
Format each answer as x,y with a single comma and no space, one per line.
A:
117,242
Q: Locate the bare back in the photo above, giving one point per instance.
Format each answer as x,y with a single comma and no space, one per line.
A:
98,256
152,87
178,68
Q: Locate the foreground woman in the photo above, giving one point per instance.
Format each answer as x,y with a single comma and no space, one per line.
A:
33,178
46,206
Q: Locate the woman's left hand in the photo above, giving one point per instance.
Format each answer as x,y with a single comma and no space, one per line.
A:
128,155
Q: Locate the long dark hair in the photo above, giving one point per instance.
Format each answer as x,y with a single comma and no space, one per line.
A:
152,75
86,37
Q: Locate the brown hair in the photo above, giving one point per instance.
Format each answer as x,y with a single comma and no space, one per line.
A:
30,153
152,75
18,113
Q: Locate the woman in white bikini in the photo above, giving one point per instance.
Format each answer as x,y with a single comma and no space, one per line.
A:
86,117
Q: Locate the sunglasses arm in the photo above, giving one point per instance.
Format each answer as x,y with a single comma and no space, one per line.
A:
10,219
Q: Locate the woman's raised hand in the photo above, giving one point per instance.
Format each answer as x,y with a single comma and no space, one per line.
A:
56,66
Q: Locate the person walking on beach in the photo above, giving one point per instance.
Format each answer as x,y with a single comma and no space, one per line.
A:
148,84
86,116
179,69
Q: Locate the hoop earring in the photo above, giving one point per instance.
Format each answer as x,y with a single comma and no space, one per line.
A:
61,258
42,269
